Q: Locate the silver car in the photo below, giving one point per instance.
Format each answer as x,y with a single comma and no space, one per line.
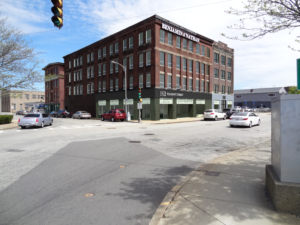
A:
81,115
35,120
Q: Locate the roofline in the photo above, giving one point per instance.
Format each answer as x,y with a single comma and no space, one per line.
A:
151,18
55,63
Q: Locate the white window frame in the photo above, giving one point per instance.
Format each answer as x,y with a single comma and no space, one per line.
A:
162,80
104,69
77,87
141,38
92,57
104,86
111,85
131,43
99,70
88,58
70,91
81,60
141,60
116,47
99,54
92,88
141,80
74,90
70,78
116,84
148,36
169,81
125,44
131,62
70,64
111,49
111,68
116,66
99,86
104,52
131,82
74,76
88,88
148,58
148,80
81,89
88,72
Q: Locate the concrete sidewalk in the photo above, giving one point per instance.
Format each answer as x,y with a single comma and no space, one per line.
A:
13,124
226,190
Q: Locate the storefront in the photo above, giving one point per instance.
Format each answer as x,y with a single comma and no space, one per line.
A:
221,102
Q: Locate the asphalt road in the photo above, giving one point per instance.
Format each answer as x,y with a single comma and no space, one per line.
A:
46,173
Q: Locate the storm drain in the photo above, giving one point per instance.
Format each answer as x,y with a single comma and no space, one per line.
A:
148,134
215,174
14,150
134,142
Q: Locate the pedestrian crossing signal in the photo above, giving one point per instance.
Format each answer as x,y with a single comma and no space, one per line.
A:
57,10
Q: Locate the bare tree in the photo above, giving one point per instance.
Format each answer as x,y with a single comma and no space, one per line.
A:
19,62
268,16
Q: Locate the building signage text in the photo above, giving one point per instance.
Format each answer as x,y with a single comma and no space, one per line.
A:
165,94
129,101
179,32
102,102
200,101
114,102
185,101
166,101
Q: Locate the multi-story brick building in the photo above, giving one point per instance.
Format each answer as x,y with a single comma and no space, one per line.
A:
223,74
171,64
54,86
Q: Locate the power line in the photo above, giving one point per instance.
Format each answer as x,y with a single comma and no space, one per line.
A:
107,21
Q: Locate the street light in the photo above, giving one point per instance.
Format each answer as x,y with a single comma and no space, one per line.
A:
124,69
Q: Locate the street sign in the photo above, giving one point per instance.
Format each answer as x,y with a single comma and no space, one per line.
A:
140,105
298,74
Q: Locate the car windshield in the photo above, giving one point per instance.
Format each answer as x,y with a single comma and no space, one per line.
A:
241,114
84,112
208,110
32,115
120,111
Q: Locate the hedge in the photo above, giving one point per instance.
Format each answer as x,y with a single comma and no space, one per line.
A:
5,119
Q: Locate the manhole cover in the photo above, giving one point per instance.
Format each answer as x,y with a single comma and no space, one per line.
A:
134,142
148,134
15,150
215,174
89,195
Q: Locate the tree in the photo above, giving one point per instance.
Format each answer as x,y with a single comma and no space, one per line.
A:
294,90
19,62
269,17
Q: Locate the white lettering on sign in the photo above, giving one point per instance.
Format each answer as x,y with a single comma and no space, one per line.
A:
129,101
114,102
165,94
179,32
103,102
146,101
216,102
185,101
166,101
200,101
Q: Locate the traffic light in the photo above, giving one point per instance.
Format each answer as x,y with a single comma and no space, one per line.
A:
57,10
140,95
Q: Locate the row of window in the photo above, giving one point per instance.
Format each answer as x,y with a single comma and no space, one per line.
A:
223,74
54,83
27,96
205,68
223,89
186,45
53,71
55,96
223,60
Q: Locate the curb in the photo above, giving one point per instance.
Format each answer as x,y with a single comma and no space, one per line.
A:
9,125
173,192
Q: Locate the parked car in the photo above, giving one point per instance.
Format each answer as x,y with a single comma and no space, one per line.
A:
63,114
214,114
237,107
245,109
19,112
114,114
35,120
231,112
247,119
53,114
81,115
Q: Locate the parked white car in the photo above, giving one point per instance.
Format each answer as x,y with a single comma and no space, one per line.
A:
81,115
214,114
247,119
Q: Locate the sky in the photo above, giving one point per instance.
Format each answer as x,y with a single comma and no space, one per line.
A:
265,62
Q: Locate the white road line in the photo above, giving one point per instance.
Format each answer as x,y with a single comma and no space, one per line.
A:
88,126
18,131
64,127
1,131
76,127
35,129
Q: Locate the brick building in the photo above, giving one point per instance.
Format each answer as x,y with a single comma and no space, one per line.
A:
54,86
172,65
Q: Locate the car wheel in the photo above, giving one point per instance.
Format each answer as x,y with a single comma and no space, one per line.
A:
51,123
231,125
216,118
224,118
23,127
102,118
73,117
112,119
250,124
258,123
42,125
122,120
205,119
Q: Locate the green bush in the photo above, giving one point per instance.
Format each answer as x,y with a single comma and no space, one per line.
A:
5,119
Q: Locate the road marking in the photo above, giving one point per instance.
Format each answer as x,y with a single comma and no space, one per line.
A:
18,131
34,129
64,127
1,131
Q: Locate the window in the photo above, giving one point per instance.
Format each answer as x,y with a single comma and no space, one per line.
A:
104,52
184,83
238,96
177,82
131,62
228,76
124,44
92,72
169,81
216,57
80,74
92,56
197,67
170,60
222,74
70,91
271,95
81,60
34,96
77,62
116,47
162,81
111,49
74,76
125,62
104,69
184,44
148,80
178,62
99,86
88,72
78,78
99,54
99,70
141,60
216,73
77,87
229,90
148,58
116,66
162,36
184,64
141,81
148,36
178,44
208,52
27,96
74,90
116,84
223,60
111,85
216,88
104,86
141,38
207,86
222,89
70,64
74,62
130,82
190,84
207,69
131,43
89,88
170,39
54,95
88,58
197,49
124,83
202,86
111,67
190,65
162,58
202,50
229,62
190,46
81,89
70,78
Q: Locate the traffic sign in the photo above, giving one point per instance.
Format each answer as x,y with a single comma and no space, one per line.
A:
140,105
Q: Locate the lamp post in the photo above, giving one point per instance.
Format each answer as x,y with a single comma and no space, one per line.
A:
124,69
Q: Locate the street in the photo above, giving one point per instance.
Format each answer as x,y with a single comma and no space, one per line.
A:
125,168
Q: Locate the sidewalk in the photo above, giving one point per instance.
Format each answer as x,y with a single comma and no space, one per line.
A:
13,124
168,121
228,190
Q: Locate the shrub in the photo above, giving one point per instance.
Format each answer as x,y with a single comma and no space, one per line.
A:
5,119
